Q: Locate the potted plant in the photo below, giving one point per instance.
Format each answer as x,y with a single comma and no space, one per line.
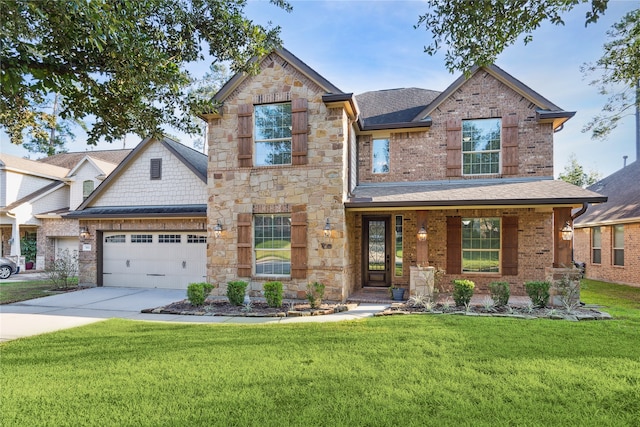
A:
396,293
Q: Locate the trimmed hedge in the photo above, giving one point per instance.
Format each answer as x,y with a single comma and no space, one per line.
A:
462,291
273,293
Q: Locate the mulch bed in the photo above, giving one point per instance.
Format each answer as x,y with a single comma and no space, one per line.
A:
256,309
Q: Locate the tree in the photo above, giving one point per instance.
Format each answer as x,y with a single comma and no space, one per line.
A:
120,64
619,65
475,32
575,174
52,134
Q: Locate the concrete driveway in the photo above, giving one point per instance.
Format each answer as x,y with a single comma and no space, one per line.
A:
91,305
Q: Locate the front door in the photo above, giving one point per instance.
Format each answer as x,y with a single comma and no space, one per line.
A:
376,251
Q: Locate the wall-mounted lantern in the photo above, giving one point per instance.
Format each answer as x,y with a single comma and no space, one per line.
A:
217,230
422,234
327,229
566,231
84,233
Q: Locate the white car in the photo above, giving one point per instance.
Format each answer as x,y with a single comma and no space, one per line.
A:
7,268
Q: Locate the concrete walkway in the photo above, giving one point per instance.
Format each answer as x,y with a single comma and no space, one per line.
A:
86,306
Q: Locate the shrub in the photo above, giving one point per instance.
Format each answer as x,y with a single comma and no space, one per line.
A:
62,270
538,292
315,293
235,292
462,291
499,293
273,293
198,292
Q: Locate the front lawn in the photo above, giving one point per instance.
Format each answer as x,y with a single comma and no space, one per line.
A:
399,370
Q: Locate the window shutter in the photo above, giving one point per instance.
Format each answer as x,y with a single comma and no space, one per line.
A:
244,244
510,145
510,245
454,147
298,242
155,169
454,245
245,135
299,130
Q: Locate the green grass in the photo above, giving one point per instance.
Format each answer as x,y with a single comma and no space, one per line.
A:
401,370
620,301
21,291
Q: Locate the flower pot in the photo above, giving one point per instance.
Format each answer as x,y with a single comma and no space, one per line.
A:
397,294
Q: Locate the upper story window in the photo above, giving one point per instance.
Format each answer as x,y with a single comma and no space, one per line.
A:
156,169
618,245
480,245
481,146
87,188
272,138
380,161
596,245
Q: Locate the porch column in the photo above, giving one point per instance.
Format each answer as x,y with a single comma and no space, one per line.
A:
15,236
422,248
563,249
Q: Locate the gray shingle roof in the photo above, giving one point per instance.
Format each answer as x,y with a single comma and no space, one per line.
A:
623,190
140,211
494,192
393,105
70,160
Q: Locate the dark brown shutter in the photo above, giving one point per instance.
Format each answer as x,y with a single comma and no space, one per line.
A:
454,245
510,145
509,246
454,147
245,135
299,130
244,244
298,242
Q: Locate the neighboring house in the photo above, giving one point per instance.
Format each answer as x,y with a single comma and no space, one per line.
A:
146,225
35,195
308,183
607,237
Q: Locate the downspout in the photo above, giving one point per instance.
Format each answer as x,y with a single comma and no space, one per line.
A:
582,210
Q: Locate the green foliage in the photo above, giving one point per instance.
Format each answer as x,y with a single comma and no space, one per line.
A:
29,248
315,293
462,291
538,292
235,292
273,293
93,54
575,174
499,293
62,270
197,292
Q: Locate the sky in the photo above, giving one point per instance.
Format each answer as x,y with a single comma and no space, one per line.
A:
361,46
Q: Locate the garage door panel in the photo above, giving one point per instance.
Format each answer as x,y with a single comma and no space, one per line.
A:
173,264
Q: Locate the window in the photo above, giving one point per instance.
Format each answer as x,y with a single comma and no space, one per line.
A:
118,238
141,238
399,252
87,188
272,244
273,134
481,146
618,245
596,241
480,245
156,169
169,238
380,161
195,238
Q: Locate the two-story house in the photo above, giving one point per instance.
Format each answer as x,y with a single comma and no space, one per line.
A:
308,183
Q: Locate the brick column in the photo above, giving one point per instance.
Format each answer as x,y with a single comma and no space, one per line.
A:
563,249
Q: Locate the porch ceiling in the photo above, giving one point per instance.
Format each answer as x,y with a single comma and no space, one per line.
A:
471,192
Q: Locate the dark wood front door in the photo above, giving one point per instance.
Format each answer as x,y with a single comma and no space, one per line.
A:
376,251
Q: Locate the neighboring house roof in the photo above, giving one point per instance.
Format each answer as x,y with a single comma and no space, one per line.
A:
71,160
140,211
495,192
192,159
623,190
32,167
392,106
34,195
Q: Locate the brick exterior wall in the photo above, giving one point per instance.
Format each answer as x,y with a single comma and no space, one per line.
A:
606,271
422,156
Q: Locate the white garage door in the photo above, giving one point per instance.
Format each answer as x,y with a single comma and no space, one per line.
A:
168,260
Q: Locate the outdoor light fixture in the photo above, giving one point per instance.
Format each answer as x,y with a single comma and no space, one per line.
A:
422,234
217,230
567,231
327,229
84,233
